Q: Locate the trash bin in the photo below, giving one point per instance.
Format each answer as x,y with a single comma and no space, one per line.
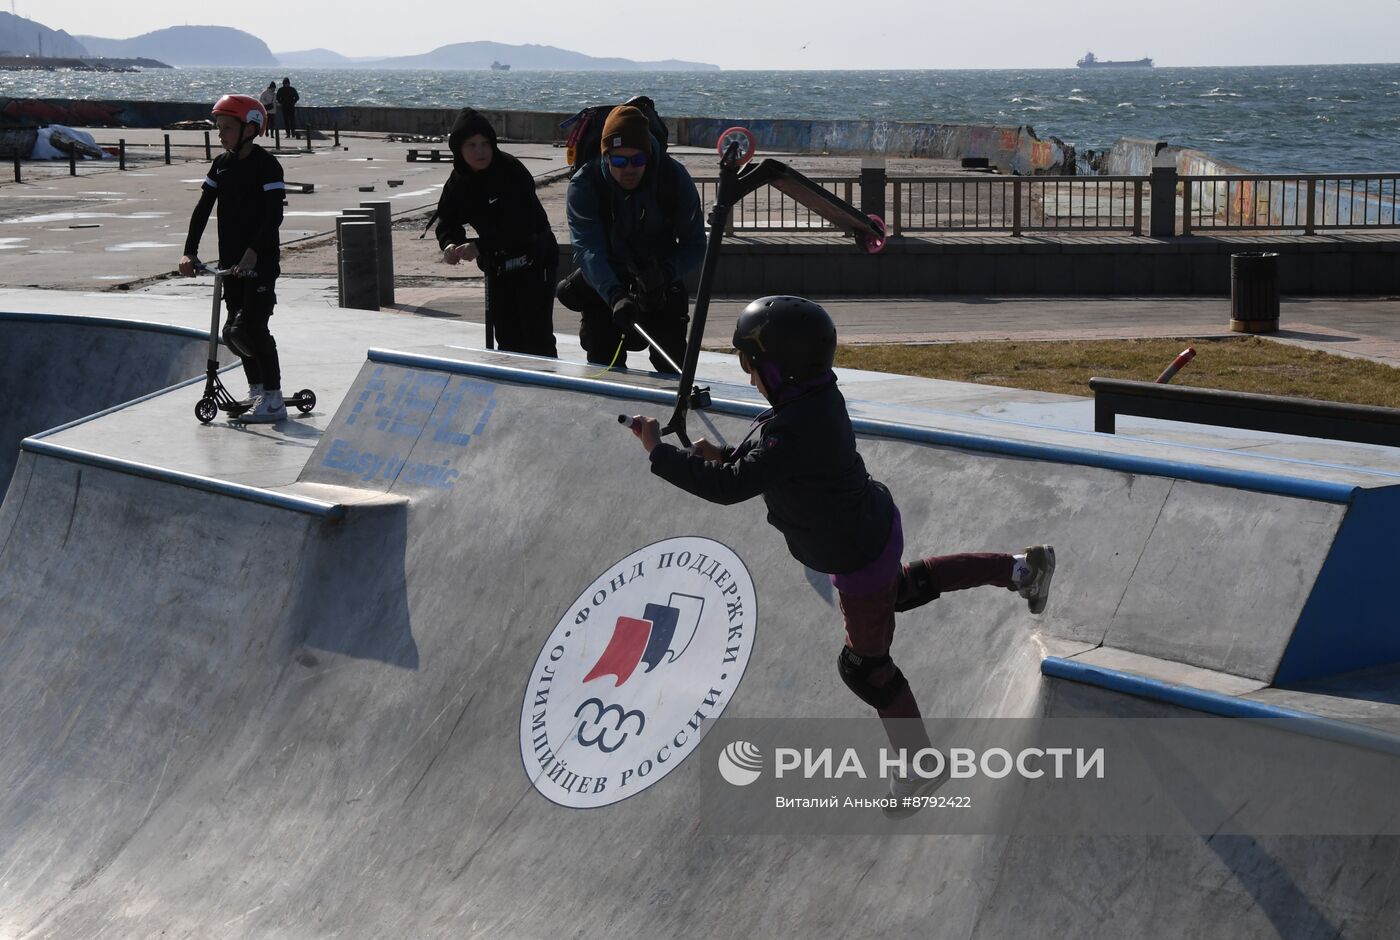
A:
1254,292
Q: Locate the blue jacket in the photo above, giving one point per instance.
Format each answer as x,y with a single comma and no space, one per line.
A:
615,232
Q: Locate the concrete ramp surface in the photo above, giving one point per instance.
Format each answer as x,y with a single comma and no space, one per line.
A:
226,717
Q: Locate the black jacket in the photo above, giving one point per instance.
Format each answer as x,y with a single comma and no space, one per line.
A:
835,518
499,203
249,194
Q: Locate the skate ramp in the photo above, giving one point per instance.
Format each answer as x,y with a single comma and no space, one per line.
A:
225,718
55,369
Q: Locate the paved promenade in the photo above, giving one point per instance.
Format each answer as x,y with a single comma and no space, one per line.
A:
111,230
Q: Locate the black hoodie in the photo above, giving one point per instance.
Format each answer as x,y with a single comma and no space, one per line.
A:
499,203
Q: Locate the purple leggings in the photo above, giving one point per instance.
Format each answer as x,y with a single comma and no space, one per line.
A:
870,596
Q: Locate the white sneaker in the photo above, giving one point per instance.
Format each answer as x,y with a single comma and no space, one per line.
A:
1035,588
908,793
267,409
254,393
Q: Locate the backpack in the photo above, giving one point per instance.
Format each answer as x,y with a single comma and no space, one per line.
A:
586,131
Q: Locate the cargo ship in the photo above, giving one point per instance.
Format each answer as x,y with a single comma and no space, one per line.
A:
1090,61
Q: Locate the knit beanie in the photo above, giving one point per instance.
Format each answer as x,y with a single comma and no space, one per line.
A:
626,126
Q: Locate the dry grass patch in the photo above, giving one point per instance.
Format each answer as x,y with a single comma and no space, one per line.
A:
1241,364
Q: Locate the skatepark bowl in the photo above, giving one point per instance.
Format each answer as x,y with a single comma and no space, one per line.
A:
331,678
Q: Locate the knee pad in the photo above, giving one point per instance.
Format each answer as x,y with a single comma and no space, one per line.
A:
235,339
856,671
915,587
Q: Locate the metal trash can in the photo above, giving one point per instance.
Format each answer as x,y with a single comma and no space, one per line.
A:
1254,292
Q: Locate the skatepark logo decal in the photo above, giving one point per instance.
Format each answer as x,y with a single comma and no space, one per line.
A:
636,671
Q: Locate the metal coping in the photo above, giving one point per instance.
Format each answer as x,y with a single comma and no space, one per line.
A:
1317,490
113,322
302,504
1217,703
38,444
195,380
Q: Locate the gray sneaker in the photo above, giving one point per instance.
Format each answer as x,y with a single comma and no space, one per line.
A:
267,409
908,793
1036,588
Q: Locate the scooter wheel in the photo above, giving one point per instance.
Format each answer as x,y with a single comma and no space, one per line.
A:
206,410
305,400
748,146
872,244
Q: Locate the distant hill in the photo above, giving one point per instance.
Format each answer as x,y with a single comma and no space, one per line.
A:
480,55
188,45
20,36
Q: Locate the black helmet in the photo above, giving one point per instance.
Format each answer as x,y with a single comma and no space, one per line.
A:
793,333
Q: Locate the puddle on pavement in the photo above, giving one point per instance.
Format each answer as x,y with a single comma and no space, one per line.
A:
136,246
76,216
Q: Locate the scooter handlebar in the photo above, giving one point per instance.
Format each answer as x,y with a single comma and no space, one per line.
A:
201,268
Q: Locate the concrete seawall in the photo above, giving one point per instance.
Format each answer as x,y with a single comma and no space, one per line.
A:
1010,148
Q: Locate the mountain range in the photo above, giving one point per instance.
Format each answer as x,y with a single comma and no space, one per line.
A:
224,45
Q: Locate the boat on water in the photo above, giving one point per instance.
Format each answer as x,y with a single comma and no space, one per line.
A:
1091,61
500,66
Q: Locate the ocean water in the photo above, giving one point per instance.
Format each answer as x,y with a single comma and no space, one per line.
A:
1280,119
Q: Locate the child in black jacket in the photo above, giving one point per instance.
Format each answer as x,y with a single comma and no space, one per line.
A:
494,193
835,517
245,182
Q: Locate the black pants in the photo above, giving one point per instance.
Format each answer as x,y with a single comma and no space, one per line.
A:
666,325
289,120
249,302
520,309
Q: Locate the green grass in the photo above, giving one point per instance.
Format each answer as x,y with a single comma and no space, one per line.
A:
1241,364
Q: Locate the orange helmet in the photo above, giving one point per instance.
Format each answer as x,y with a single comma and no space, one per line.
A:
246,108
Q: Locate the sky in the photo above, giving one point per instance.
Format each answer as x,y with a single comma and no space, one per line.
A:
792,34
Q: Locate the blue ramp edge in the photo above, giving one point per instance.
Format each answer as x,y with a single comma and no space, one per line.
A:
1216,703
1316,490
1349,621
302,504
115,323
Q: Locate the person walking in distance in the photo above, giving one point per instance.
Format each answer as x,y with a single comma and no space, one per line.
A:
287,98
269,103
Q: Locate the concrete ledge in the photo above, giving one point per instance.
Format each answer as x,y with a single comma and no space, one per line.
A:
1219,703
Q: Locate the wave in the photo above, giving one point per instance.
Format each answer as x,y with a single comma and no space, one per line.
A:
1312,113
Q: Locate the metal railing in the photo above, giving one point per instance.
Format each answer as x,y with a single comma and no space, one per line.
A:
768,210
1309,202
1017,204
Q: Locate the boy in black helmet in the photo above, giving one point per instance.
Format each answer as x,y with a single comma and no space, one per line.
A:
245,182
836,519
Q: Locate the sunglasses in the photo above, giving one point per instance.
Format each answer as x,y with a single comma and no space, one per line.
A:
619,161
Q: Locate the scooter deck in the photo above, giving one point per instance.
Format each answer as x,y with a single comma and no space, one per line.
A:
823,202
